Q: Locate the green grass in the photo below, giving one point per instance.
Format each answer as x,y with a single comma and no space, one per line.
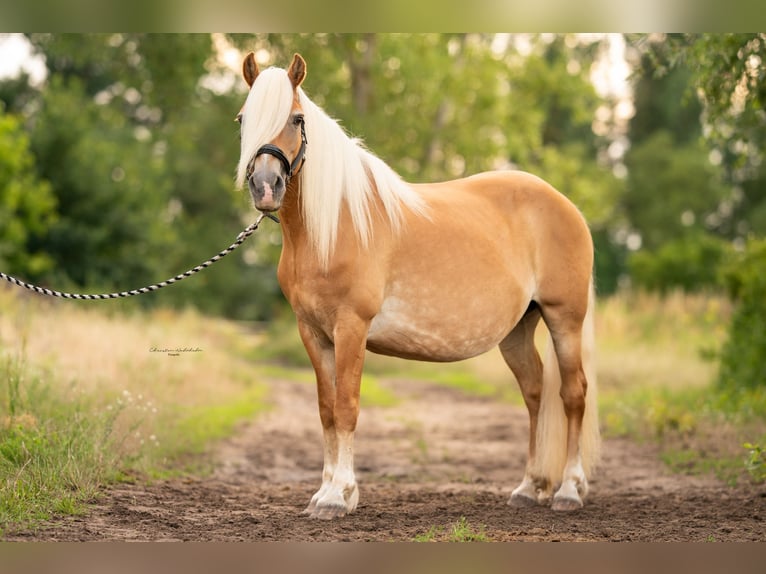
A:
460,531
54,456
191,430
700,430
59,447
84,403
695,461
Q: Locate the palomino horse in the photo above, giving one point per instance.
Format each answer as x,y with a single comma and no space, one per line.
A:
435,272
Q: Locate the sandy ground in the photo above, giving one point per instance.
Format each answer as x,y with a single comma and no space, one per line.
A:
422,465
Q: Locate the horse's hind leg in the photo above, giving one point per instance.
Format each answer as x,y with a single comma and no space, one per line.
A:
566,324
518,350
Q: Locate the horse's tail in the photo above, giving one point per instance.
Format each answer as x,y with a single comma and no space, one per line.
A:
552,423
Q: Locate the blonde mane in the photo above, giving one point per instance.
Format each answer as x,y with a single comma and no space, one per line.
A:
339,170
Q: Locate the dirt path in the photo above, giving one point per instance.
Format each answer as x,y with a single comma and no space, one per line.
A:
434,458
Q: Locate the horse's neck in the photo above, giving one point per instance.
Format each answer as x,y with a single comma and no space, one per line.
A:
291,216
295,237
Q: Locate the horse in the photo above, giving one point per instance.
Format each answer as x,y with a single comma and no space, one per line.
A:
431,271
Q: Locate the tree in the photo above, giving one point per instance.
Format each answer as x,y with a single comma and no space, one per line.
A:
26,203
673,191
139,153
729,72
743,357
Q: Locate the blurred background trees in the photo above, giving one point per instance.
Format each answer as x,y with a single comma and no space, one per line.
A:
133,139
117,170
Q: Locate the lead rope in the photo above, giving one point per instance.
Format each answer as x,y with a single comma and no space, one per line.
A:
240,239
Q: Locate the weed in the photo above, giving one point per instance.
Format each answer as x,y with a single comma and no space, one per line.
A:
756,461
460,531
430,535
464,532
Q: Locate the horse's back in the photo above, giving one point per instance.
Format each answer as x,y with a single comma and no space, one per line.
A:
507,194
459,279
543,236
515,211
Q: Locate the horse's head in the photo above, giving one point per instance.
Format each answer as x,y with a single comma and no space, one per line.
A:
270,167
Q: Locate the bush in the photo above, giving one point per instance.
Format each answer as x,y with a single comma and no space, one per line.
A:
743,357
691,263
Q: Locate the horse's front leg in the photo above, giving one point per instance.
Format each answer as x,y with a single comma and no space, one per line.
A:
322,355
339,410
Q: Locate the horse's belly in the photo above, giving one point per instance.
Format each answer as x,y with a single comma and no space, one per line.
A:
428,333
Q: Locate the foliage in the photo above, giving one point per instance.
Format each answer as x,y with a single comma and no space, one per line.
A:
196,428
109,191
691,263
698,431
657,381
726,73
743,358
671,190
27,206
730,73
679,191
662,93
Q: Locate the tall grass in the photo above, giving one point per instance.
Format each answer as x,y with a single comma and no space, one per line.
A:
89,395
658,362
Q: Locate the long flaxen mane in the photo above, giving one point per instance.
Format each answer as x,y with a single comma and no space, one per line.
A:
339,170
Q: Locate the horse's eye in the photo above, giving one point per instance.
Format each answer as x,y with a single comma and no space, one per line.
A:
297,120
238,119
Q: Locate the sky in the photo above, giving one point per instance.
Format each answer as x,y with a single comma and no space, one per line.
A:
16,54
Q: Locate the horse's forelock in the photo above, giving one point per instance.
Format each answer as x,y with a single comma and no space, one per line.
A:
266,110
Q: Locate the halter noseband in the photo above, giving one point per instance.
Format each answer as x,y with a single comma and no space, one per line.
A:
290,168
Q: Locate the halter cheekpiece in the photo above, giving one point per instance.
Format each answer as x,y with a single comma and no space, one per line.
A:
290,168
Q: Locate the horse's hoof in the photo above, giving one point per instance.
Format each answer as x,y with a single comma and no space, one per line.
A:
329,511
566,504
522,501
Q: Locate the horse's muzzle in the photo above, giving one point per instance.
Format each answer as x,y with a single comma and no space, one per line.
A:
267,189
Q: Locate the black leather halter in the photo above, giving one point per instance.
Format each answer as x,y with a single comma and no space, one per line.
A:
290,168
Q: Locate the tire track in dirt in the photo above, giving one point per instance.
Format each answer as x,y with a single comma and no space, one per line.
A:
435,457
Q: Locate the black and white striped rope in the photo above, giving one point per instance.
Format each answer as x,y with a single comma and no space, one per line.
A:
240,239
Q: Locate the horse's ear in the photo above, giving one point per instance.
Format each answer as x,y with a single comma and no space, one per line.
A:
250,69
297,71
